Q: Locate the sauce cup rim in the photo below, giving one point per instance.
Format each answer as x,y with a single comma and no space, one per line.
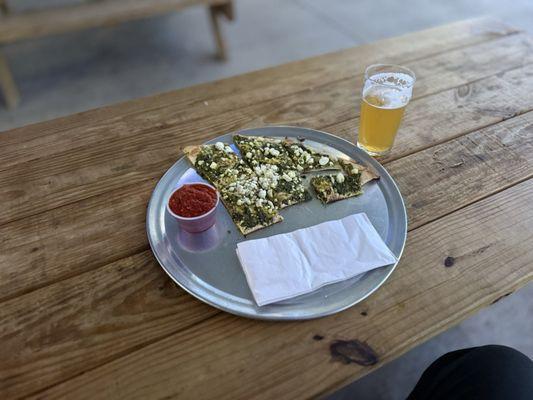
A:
198,216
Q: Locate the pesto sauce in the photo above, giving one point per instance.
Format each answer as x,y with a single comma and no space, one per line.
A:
326,185
250,217
301,161
251,145
207,156
351,184
323,187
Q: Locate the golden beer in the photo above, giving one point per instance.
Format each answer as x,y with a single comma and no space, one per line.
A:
386,93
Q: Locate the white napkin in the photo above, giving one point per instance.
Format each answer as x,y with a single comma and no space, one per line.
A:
290,264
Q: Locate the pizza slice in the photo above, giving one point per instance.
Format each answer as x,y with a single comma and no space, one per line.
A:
306,158
349,183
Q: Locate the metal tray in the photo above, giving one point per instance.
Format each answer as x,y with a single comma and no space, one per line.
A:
206,264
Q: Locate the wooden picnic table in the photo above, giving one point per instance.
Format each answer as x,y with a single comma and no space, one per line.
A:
86,311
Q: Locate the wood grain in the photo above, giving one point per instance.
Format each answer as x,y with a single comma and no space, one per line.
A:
66,241
449,176
436,187
76,174
88,313
253,359
101,13
451,113
89,320
38,250
200,101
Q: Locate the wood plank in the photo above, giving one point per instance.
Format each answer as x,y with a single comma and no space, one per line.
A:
133,220
451,113
75,17
90,320
68,240
459,172
49,246
489,245
106,334
72,175
173,108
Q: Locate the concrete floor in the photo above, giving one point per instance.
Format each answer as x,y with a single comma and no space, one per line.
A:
70,73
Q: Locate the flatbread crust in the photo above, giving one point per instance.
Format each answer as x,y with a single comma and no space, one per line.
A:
292,202
347,165
191,152
367,174
327,191
336,196
246,231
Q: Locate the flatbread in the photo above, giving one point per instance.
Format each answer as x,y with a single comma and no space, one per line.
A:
334,187
343,185
191,152
257,150
246,231
260,173
367,174
307,157
276,171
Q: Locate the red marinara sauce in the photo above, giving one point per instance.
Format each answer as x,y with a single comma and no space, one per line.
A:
192,200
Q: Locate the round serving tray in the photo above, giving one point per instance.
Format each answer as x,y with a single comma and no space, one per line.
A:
206,264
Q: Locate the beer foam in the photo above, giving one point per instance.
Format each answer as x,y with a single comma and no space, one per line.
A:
396,79
388,90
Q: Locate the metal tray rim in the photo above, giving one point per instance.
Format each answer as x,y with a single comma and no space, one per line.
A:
280,317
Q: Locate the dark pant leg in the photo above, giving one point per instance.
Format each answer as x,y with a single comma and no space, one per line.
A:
485,373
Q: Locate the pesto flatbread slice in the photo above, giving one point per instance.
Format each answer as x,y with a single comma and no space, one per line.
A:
274,168
246,230
257,150
334,187
349,183
350,167
283,187
212,161
248,205
290,190
307,159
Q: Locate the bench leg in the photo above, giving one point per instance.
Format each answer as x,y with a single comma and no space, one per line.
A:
215,11
3,7
8,85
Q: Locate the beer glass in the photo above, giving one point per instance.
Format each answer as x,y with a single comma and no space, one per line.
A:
386,92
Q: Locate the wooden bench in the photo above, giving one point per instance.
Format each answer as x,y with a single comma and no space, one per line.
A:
94,14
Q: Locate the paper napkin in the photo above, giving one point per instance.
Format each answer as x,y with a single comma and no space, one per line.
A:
290,264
